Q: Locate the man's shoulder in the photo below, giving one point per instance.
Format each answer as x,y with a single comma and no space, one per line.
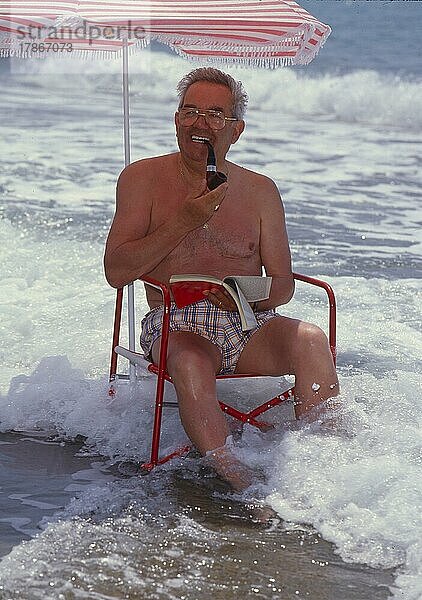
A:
146,166
251,175
254,182
141,175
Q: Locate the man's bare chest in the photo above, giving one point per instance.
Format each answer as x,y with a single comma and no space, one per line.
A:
232,232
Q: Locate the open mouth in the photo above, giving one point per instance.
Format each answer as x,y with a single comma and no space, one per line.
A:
200,139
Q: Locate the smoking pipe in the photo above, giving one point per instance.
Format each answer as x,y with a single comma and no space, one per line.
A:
214,177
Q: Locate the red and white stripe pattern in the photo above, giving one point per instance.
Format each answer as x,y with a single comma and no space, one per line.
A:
266,32
17,16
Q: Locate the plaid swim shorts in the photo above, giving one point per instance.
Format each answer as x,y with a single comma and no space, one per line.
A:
222,327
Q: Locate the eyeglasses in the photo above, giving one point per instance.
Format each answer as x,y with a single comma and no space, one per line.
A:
214,118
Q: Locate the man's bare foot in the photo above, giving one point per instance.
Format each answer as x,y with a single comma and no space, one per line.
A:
262,514
230,468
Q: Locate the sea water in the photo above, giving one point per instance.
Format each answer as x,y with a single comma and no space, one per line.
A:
342,140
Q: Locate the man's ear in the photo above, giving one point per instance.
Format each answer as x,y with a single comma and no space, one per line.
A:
176,124
237,130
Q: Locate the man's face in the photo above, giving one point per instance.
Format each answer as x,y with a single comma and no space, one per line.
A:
208,96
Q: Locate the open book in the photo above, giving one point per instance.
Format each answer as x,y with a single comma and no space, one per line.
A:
190,288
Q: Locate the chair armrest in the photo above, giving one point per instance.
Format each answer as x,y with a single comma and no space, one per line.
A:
332,315
164,289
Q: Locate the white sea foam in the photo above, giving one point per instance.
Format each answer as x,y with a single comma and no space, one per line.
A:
74,557
362,491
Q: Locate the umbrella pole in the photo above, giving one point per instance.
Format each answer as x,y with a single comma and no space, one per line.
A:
126,128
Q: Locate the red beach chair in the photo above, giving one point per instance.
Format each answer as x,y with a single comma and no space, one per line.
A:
160,370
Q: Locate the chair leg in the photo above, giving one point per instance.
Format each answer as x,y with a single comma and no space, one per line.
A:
156,432
249,417
162,371
287,396
244,417
155,445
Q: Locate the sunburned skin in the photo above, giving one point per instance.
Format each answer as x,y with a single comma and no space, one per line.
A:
213,241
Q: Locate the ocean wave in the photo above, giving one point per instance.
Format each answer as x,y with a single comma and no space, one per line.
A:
361,96
365,97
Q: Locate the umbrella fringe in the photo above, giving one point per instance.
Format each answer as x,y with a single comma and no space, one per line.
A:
263,61
266,59
260,62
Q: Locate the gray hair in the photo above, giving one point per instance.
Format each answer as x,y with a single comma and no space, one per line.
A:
240,97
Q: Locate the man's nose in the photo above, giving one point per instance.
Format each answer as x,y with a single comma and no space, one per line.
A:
201,120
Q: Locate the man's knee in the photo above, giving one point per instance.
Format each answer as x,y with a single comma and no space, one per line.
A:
311,337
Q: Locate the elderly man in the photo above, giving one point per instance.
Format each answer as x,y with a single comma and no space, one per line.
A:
168,222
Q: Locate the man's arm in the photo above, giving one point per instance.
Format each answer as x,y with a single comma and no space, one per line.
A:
131,251
274,246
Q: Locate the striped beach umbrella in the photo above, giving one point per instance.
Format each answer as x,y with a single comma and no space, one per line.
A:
250,32
262,33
